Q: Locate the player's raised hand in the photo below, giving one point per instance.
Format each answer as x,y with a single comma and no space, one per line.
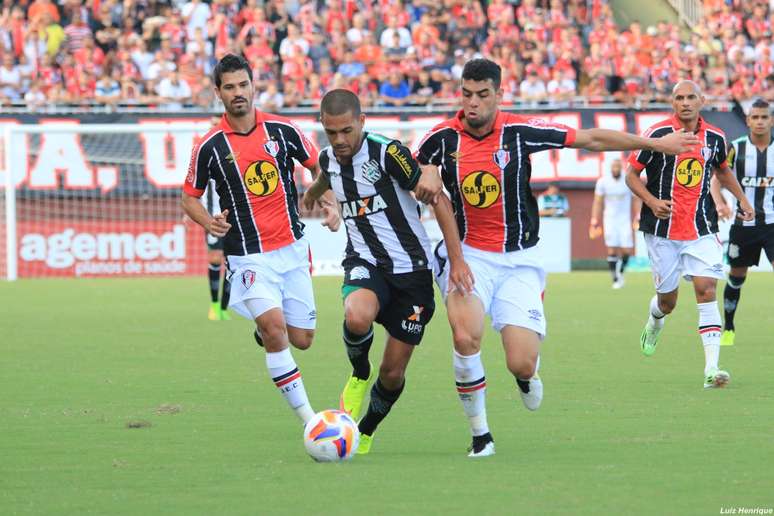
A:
676,142
746,211
332,218
308,201
461,277
429,185
724,211
218,226
661,209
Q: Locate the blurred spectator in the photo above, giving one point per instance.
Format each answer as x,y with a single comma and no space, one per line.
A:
173,92
10,78
271,100
195,14
107,90
395,91
553,203
385,39
424,89
35,99
533,89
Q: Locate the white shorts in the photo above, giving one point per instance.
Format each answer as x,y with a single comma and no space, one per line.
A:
509,285
618,233
670,259
276,279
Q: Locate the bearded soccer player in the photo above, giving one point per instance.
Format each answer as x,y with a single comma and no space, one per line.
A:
484,156
250,157
680,222
613,199
751,157
388,261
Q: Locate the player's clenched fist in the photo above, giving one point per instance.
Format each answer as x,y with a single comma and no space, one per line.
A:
661,209
218,226
429,184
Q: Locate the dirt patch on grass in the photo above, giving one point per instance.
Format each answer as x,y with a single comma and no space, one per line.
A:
167,408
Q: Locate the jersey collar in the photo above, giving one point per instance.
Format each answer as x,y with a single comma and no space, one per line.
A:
227,129
677,125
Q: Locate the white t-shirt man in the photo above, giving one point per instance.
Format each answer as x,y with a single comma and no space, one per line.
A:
617,210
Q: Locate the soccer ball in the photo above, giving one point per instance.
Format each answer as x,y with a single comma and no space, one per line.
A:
331,436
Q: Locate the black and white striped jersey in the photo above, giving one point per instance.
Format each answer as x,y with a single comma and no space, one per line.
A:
755,171
381,216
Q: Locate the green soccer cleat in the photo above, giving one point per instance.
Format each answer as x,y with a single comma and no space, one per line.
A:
214,313
354,393
224,315
716,379
648,340
365,444
727,338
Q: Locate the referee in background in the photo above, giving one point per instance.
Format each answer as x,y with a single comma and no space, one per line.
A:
752,158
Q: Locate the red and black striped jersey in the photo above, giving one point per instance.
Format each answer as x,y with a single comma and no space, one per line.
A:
684,180
253,176
488,177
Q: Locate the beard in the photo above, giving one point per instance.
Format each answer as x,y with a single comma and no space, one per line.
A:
477,123
239,109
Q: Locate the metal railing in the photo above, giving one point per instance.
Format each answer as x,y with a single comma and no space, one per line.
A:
689,11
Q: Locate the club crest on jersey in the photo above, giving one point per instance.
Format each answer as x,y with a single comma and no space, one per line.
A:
501,158
261,178
480,189
272,147
689,172
248,278
371,171
362,207
706,153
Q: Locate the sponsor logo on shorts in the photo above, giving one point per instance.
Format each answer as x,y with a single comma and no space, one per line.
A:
717,268
362,207
480,189
535,315
248,278
371,171
261,178
359,273
412,324
313,315
689,172
733,251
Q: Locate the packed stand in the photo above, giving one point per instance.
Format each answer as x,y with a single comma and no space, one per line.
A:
150,52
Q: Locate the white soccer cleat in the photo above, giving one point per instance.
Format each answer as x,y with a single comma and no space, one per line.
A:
482,446
618,284
716,379
531,392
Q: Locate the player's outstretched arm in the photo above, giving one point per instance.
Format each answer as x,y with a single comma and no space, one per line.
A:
460,275
216,226
316,190
728,180
600,140
661,209
724,210
429,186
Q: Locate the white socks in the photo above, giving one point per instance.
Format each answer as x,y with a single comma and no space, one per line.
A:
709,330
656,318
287,378
471,388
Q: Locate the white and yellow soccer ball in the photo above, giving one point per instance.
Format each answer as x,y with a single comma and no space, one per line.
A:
331,436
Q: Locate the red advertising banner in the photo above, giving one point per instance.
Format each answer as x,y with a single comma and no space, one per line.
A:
60,248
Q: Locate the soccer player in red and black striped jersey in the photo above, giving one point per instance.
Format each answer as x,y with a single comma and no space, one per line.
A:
484,156
251,157
680,222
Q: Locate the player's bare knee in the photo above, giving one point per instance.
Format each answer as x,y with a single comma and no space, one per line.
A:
667,305
522,367
358,321
465,343
301,339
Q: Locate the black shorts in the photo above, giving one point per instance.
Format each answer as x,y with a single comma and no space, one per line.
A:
406,301
213,243
745,244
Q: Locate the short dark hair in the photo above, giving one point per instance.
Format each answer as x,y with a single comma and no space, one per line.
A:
760,103
481,70
230,63
340,101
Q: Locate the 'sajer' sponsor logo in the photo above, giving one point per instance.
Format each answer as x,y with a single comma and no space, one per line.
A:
689,172
261,178
480,189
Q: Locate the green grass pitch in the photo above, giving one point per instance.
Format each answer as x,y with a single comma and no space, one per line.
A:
618,433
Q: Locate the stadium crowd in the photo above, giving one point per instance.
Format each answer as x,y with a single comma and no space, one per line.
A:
390,52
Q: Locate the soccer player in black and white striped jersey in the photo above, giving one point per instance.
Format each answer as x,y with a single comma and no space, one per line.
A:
218,310
752,158
388,275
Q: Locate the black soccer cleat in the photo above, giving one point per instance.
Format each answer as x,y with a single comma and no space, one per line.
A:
482,446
